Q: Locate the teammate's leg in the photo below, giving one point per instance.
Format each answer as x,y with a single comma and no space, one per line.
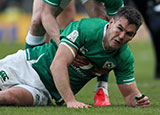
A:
21,85
65,17
36,31
16,96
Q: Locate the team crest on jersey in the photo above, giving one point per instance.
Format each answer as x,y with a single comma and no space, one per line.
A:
73,36
108,65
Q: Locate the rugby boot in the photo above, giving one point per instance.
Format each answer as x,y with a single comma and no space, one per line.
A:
101,99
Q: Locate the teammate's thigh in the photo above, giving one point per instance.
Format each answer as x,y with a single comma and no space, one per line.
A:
16,72
39,97
16,96
23,95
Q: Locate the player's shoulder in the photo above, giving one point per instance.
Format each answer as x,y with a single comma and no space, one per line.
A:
89,23
92,25
89,27
93,20
125,53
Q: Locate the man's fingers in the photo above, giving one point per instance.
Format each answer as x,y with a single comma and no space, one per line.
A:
79,105
144,102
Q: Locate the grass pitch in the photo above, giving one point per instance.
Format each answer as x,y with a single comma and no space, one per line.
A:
144,71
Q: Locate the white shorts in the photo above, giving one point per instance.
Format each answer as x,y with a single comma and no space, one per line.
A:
15,71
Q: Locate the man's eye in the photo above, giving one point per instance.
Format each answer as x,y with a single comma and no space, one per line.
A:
120,28
129,34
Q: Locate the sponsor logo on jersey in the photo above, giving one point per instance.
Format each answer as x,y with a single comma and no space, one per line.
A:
78,70
3,76
73,36
108,65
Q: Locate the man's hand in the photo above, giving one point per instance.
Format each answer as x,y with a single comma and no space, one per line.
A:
76,104
142,101
133,96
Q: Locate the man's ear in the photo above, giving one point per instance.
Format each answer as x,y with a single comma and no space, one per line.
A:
111,21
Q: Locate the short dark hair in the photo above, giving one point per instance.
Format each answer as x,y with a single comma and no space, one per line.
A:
131,14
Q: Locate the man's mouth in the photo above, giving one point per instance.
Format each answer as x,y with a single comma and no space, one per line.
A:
116,41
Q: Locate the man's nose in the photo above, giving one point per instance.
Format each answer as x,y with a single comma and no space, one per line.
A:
122,35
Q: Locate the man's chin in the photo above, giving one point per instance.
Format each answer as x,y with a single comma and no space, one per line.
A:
115,48
112,48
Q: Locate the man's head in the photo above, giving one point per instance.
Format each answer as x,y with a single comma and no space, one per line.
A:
131,14
122,28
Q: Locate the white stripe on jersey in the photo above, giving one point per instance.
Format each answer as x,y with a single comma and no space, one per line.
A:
129,80
33,61
74,55
28,54
52,3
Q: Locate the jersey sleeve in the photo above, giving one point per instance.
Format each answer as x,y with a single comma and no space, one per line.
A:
112,6
57,3
72,37
54,3
125,71
81,35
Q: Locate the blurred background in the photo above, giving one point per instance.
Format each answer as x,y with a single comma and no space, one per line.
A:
15,16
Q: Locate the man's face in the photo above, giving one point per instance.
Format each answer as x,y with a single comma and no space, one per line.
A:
118,33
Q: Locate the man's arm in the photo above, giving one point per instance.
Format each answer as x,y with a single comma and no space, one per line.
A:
59,69
129,91
49,22
95,9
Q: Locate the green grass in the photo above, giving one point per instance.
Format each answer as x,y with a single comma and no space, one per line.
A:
9,48
144,71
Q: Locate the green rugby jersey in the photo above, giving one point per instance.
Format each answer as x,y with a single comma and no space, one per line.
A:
86,37
57,3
